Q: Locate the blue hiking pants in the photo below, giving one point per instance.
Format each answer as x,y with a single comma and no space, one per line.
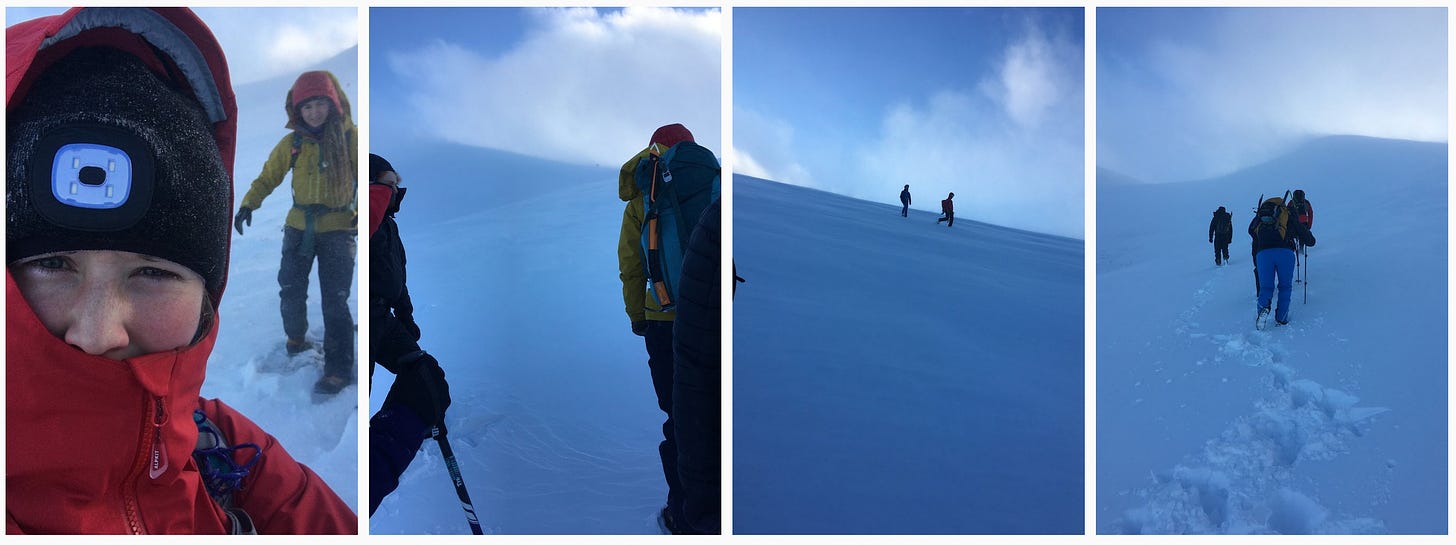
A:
1271,262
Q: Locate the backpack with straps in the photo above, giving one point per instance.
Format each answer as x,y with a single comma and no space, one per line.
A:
1273,224
677,185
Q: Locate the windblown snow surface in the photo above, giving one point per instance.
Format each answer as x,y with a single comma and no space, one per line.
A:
513,273
249,369
1333,424
895,376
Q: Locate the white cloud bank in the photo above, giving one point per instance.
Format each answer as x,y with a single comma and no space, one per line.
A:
263,43
582,86
1260,80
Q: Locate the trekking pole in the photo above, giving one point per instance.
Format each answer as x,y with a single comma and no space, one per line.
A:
454,468
1306,279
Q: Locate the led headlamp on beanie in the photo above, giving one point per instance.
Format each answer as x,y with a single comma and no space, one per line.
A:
103,155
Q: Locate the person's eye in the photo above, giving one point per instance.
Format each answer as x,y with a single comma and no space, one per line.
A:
157,273
50,263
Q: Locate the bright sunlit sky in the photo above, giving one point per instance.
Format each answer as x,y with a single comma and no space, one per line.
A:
984,102
574,85
262,43
1188,93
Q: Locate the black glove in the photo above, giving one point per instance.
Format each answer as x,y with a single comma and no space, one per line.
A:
421,386
639,328
1210,240
245,214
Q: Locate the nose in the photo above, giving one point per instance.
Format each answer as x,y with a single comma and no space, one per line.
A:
98,323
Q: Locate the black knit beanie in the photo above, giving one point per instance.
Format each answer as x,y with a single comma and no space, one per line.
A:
103,155
378,165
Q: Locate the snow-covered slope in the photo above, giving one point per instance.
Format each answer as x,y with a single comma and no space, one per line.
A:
1336,423
513,272
895,376
323,436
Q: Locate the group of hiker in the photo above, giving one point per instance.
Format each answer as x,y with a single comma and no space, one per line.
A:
1280,232
947,208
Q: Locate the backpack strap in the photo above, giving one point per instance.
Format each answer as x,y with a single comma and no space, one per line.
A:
297,147
220,474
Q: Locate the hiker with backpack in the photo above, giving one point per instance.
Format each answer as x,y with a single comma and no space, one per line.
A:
1221,234
321,151
1275,233
666,187
948,209
419,396
118,193
697,397
905,201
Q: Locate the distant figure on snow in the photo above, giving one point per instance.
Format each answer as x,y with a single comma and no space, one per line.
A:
1221,233
1303,211
905,202
1274,239
948,208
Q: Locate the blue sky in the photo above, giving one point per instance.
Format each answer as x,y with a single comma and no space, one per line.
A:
262,43
574,85
1190,93
985,102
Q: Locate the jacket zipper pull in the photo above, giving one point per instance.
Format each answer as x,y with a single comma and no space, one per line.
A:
158,459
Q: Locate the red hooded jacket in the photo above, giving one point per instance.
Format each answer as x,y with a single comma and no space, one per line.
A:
100,446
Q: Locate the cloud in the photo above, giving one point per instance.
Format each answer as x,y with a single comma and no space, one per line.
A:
768,149
1254,82
582,86
1012,151
1032,78
263,43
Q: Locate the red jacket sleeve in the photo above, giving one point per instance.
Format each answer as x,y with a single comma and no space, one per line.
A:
379,197
281,495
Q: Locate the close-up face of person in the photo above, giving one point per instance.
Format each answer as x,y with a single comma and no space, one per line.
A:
111,303
315,112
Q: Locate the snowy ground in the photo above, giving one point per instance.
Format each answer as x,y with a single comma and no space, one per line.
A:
323,436
513,272
895,376
1336,423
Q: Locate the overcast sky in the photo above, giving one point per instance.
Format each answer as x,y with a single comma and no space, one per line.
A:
576,85
261,43
986,103
1190,93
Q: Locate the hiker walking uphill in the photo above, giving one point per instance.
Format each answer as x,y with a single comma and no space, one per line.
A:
1275,233
905,202
1302,209
1221,233
114,290
321,153
418,399
948,209
666,187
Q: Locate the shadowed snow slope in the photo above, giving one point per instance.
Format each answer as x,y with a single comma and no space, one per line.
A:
1335,423
895,376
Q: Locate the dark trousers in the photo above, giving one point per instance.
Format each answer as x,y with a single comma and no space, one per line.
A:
949,219
904,209
335,252
659,361
1220,252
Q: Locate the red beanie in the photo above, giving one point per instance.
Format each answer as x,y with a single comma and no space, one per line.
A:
317,83
670,135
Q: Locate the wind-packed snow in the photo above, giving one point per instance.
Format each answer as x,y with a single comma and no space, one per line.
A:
324,436
513,273
1333,424
895,376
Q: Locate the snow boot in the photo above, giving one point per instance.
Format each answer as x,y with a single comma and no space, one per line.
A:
330,385
1262,320
298,346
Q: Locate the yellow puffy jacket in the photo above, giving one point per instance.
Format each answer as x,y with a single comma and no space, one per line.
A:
629,248
309,187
